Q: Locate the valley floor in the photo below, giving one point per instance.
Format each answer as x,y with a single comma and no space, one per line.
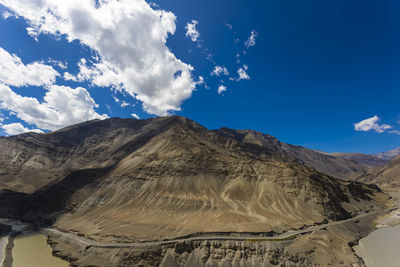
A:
325,244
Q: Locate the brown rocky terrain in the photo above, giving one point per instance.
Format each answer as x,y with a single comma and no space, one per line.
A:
386,177
369,161
335,165
44,158
126,180
328,246
388,155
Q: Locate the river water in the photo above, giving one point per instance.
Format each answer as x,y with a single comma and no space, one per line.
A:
32,250
381,248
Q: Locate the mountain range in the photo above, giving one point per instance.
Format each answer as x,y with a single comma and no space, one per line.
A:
386,177
134,180
388,155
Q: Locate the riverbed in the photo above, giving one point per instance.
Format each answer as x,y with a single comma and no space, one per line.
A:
32,250
381,248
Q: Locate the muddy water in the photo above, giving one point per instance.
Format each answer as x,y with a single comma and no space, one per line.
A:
32,250
381,248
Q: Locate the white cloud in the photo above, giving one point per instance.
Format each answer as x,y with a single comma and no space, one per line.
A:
116,99
130,40
125,104
69,77
154,4
251,41
202,81
218,70
221,89
100,74
191,30
15,73
7,14
395,132
371,124
121,103
61,106
135,116
242,72
58,63
18,128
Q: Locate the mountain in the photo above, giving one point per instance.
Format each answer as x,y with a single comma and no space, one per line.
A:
369,161
166,177
386,177
30,161
334,165
185,195
389,154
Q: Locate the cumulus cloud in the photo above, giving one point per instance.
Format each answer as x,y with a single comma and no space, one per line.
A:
242,72
15,73
191,30
121,103
69,77
7,14
61,106
220,70
135,116
251,41
371,124
395,132
125,104
18,128
202,81
129,38
221,89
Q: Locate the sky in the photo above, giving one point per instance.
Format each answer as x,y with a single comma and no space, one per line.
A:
321,74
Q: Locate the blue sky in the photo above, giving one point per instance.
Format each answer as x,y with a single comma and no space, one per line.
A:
311,72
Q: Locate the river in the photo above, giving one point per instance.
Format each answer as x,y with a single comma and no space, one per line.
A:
32,250
381,248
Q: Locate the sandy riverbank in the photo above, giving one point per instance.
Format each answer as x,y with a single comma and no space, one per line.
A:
8,251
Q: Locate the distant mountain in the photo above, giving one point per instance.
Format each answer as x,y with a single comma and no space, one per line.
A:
166,177
334,165
389,154
366,160
387,177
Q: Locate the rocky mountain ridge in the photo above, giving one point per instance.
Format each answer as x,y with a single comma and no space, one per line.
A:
166,177
127,180
387,177
388,155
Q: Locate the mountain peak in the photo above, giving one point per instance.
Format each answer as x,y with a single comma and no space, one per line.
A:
388,155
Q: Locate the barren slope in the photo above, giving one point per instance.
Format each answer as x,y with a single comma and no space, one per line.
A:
30,161
369,161
387,177
186,179
336,166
